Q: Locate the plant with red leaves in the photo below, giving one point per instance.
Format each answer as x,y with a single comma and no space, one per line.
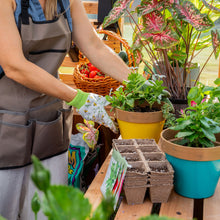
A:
173,33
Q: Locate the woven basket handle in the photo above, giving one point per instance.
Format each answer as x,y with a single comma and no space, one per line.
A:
124,43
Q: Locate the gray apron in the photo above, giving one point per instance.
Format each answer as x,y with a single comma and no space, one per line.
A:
31,122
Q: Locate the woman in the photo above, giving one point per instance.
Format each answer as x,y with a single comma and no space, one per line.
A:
35,37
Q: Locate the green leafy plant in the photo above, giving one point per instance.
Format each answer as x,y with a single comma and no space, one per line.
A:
60,202
169,35
200,121
139,94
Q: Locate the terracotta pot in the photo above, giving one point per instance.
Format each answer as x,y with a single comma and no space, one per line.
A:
196,170
140,124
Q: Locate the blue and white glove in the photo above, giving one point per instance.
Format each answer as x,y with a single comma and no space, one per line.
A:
91,107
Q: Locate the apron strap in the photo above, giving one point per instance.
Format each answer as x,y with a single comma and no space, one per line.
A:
24,11
62,8
2,74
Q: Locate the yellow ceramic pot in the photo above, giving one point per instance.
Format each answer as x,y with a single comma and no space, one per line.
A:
135,125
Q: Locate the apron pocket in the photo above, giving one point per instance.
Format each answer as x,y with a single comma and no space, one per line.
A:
12,117
48,138
15,144
67,125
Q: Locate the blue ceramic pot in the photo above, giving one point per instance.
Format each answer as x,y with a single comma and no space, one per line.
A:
196,170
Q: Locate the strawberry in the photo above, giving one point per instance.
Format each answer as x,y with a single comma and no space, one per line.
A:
92,74
92,68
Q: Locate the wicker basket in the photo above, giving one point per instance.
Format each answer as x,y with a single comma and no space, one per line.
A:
101,86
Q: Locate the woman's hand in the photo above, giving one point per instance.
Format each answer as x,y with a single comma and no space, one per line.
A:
91,107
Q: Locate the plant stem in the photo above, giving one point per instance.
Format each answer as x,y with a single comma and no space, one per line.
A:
170,71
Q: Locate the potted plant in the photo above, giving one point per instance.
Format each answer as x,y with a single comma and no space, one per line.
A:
141,107
169,35
192,145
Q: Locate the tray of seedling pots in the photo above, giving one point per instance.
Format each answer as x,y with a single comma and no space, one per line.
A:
148,168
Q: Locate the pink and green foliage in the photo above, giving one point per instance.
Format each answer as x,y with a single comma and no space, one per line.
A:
216,42
90,134
118,10
172,33
189,13
165,39
148,6
154,22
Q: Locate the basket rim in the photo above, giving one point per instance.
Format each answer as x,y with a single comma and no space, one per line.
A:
84,78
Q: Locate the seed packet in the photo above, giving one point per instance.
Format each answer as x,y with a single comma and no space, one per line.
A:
115,175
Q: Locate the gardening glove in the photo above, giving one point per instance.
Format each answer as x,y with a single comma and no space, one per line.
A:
91,107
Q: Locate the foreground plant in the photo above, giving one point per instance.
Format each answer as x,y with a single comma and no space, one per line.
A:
172,33
200,122
60,202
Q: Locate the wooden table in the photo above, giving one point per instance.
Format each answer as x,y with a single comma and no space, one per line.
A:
177,206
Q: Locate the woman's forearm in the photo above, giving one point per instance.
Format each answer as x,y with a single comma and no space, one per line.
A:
109,62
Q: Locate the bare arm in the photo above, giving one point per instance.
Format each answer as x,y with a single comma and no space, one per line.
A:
90,44
17,67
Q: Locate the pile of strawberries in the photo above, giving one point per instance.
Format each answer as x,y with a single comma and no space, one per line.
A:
90,71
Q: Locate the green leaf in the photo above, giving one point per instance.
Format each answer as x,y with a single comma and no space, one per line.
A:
194,94
182,125
217,81
208,133
130,102
105,209
177,55
183,142
206,143
193,137
205,122
216,130
66,203
182,134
